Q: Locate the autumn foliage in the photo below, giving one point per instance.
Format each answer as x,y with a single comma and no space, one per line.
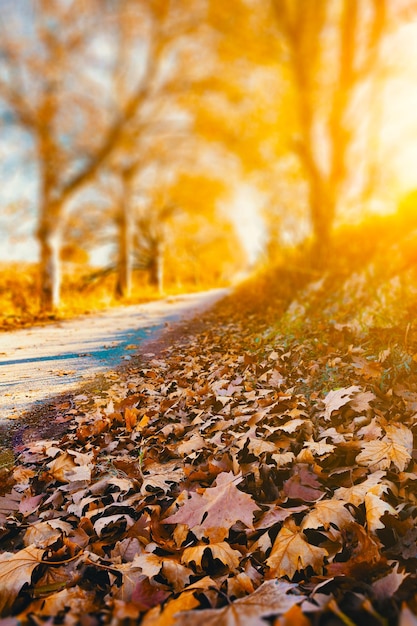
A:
259,469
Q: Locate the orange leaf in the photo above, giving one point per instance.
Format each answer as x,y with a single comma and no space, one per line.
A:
131,418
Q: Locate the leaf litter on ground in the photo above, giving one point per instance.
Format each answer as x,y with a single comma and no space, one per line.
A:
250,473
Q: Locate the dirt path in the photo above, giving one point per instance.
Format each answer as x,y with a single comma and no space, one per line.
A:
41,362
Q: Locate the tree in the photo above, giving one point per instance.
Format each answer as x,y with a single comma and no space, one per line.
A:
57,82
332,50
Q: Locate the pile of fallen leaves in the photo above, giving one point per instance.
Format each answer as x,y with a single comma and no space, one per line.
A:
249,474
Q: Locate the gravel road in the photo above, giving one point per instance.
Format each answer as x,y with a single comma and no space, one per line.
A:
39,363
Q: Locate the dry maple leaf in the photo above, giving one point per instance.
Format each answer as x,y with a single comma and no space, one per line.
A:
15,571
376,507
303,484
150,564
214,512
385,587
378,455
77,600
131,575
185,602
356,495
327,512
44,534
361,401
291,552
161,477
176,574
221,550
71,466
338,398
273,597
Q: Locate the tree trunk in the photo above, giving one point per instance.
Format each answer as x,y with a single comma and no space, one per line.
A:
50,268
322,210
124,265
156,269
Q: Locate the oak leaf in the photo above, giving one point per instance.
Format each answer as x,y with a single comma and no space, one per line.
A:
291,552
15,572
273,597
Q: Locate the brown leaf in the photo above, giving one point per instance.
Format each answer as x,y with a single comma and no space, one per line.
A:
220,506
273,597
387,586
71,466
15,572
362,554
176,574
78,601
147,595
303,485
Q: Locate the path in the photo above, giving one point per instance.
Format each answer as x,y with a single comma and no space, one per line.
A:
41,362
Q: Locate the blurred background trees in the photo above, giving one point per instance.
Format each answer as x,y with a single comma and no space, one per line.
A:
188,140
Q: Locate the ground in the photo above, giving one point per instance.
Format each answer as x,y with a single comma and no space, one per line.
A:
256,468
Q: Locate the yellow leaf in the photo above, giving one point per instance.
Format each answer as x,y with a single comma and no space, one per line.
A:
155,617
337,398
376,507
356,495
378,455
326,512
291,552
221,551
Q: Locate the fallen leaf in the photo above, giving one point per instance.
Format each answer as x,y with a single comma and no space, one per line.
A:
273,597
338,398
291,552
167,617
217,509
16,571
327,512
222,551
384,588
